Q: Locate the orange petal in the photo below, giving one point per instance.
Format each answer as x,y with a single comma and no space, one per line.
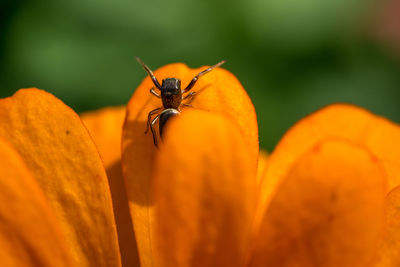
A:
262,165
389,252
329,211
205,193
105,127
339,121
29,234
64,160
219,91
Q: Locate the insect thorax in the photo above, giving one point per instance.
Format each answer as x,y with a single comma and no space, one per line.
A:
171,93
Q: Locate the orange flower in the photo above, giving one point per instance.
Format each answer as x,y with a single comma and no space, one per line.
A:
327,195
63,187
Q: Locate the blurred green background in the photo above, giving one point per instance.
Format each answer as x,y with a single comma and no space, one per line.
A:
292,56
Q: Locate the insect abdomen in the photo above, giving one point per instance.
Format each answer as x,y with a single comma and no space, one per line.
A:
164,118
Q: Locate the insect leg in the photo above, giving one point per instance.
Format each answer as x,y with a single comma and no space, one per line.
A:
194,80
190,98
154,92
151,113
152,129
190,95
148,70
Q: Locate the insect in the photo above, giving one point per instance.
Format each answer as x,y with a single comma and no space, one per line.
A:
171,96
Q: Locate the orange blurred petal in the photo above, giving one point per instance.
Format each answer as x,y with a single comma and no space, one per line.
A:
339,121
262,165
389,252
29,234
219,92
64,160
105,127
205,193
329,211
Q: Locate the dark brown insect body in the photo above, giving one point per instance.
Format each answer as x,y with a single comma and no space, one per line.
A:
171,96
